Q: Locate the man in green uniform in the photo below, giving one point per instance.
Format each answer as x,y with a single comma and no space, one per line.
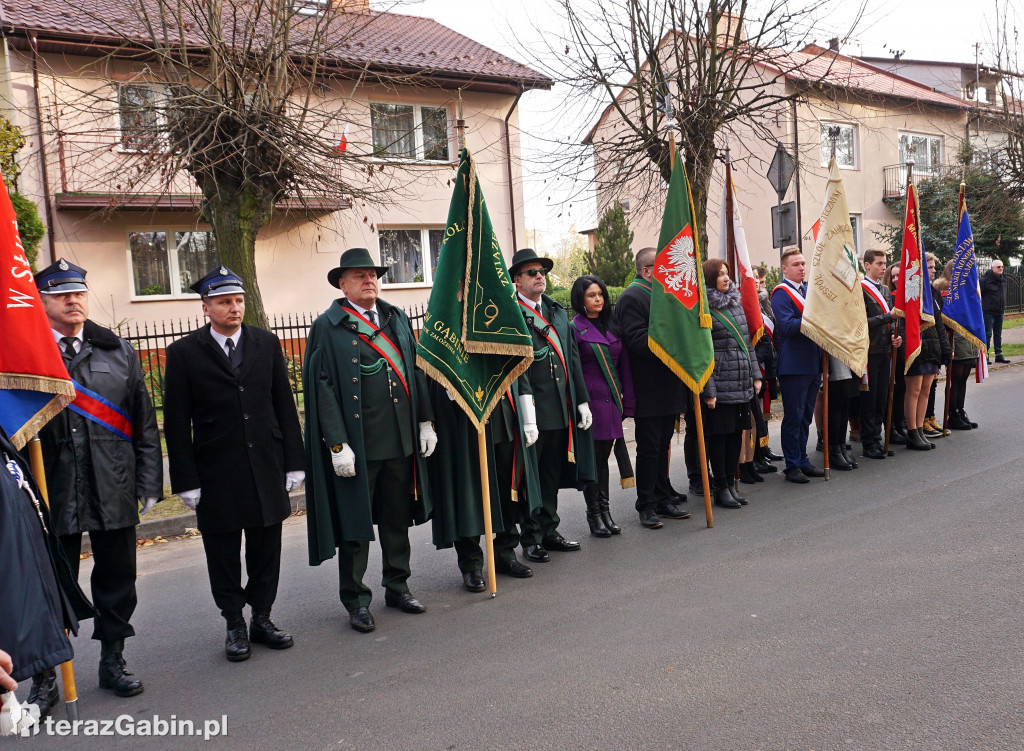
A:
455,481
565,448
368,431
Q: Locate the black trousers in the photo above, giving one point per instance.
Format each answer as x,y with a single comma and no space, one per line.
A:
653,439
958,383
599,490
874,401
838,412
691,449
723,451
262,565
468,549
552,454
388,482
112,581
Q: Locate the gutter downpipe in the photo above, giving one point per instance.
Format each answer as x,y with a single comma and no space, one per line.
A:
508,162
42,152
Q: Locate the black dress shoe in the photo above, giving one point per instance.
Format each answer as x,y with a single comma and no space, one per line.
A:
963,415
671,511
236,645
561,545
649,518
537,554
513,568
474,581
848,456
772,456
675,495
262,630
764,468
114,673
724,499
44,693
1001,359
794,474
836,460
404,601
361,620
873,451
812,471
697,491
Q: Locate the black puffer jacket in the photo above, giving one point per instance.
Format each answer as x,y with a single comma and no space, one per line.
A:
993,292
934,340
95,477
733,379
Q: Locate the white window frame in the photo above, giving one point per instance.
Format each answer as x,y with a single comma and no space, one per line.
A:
933,170
161,142
824,125
417,129
857,224
424,230
173,268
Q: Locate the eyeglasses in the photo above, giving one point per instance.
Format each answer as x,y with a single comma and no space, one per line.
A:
535,272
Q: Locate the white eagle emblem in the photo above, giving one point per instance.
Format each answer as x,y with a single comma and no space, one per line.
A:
681,274
912,282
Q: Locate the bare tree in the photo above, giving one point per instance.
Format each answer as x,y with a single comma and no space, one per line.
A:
699,67
252,104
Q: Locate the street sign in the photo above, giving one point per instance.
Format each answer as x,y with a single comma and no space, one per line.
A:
784,225
780,171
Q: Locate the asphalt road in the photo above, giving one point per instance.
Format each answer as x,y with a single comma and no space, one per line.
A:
881,610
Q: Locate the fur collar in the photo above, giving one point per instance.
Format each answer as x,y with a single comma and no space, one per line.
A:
721,300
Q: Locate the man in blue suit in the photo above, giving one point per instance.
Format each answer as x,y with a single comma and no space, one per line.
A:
798,369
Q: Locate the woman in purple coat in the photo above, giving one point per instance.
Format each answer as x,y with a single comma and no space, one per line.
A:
606,373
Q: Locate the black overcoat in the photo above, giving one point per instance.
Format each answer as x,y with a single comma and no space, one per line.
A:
95,477
658,390
233,436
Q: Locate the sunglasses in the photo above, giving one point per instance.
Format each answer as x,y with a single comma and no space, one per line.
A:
535,272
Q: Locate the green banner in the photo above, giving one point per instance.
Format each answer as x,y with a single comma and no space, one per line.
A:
680,326
474,340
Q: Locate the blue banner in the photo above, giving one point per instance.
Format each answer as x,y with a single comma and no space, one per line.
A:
962,311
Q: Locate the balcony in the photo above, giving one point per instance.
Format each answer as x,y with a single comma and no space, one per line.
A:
895,177
93,173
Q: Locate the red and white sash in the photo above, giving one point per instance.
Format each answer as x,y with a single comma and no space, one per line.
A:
769,326
872,290
795,295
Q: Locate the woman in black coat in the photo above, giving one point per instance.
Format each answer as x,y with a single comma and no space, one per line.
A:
935,351
732,385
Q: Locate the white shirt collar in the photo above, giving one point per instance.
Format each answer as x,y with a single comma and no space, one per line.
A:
528,301
877,284
57,336
364,311
223,340
798,286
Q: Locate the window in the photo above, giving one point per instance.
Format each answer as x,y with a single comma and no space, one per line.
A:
406,131
855,223
403,250
140,116
927,153
155,271
846,145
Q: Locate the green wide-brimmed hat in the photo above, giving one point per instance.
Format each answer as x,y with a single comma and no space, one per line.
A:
525,256
354,258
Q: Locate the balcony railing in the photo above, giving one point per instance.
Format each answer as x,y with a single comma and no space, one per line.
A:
94,173
895,178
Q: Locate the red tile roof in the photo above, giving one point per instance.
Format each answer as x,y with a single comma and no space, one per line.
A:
387,41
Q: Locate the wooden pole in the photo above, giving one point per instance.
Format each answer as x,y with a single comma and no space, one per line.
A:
824,411
485,494
67,669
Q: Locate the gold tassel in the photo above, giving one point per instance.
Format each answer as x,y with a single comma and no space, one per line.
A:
627,482
572,457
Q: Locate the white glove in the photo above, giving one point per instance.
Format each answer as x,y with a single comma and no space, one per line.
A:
292,480
528,411
586,419
428,439
147,505
190,497
344,461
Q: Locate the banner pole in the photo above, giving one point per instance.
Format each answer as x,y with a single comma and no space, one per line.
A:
67,669
485,494
824,411
703,459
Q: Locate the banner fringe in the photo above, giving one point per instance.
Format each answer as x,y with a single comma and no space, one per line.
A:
434,373
965,333
696,386
821,338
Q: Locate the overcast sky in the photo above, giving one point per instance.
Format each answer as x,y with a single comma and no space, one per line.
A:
925,29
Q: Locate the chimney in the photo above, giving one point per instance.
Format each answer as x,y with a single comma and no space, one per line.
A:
833,44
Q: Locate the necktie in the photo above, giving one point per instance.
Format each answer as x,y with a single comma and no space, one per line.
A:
539,312
234,356
373,317
70,347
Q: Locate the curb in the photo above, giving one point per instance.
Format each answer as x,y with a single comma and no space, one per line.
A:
172,526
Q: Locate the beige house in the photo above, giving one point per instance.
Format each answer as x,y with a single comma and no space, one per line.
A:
142,253
880,115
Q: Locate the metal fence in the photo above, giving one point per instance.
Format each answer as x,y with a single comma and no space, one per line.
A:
151,340
1014,292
